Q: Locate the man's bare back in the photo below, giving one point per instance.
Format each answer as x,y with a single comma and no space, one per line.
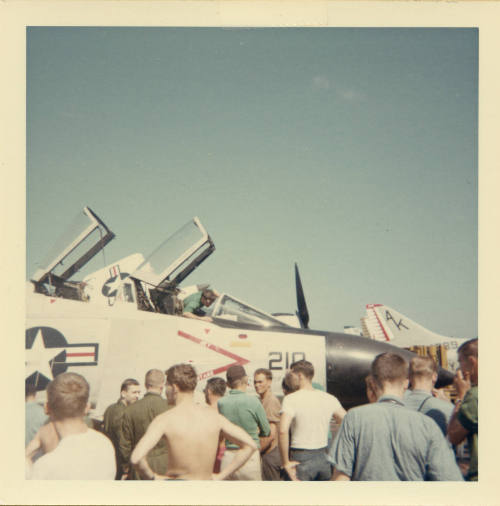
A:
45,440
192,433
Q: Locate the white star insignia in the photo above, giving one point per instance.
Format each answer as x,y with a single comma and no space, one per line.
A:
38,357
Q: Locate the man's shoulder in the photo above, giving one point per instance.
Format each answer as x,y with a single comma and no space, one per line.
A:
472,394
116,407
441,404
95,435
272,401
194,298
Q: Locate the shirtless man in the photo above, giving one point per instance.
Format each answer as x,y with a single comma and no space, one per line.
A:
192,433
45,440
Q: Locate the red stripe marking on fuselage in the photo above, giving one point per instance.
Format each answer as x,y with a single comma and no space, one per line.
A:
238,360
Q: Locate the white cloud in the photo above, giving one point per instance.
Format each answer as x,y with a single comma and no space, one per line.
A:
321,82
350,95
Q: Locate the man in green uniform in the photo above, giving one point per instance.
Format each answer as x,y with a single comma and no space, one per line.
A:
136,419
193,304
246,411
464,420
112,421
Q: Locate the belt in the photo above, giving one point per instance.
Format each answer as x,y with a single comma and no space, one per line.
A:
308,449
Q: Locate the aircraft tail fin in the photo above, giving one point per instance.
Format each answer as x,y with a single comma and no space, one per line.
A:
386,324
302,312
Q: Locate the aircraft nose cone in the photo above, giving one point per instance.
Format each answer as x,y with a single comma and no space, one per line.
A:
348,362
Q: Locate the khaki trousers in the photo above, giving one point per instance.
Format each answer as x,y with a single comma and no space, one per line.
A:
250,471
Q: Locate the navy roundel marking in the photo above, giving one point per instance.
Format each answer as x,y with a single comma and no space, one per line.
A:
52,338
110,287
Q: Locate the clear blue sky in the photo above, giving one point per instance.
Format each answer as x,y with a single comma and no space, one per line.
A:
350,151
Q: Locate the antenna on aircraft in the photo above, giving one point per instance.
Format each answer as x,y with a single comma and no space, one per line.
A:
302,311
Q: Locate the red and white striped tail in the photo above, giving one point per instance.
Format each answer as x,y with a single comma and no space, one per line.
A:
373,324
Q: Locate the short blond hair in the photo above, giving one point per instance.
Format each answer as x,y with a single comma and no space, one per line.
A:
67,396
422,367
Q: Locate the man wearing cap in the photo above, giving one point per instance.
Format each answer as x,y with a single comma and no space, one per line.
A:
247,412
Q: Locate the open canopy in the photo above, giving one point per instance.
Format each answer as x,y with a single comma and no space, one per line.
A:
176,257
83,239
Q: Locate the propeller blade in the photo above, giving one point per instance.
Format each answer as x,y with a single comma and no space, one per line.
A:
302,311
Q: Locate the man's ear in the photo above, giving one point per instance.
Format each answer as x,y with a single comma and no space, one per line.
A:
406,383
87,408
46,408
434,378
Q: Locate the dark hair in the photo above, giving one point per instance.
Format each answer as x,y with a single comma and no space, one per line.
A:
389,368
184,376
266,372
469,348
67,396
29,390
127,383
304,367
217,386
289,384
154,378
422,367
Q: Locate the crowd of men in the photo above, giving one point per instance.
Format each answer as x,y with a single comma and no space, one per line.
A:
401,434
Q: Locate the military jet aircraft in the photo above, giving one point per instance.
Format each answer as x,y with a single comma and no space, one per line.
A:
126,318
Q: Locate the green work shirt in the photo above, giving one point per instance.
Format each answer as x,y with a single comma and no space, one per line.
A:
467,416
192,302
136,420
247,412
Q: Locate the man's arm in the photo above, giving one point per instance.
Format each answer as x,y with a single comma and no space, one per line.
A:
284,442
339,476
266,441
125,441
239,437
33,446
138,458
339,414
456,432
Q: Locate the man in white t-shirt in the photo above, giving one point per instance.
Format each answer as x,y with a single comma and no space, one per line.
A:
82,453
307,412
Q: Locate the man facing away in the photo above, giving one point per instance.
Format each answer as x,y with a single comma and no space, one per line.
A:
112,420
464,420
247,412
192,433
384,441
423,377
271,461
308,412
136,419
193,304
215,390
82,452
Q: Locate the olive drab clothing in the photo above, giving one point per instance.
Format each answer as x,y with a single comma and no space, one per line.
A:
136,419
468,417
112,427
